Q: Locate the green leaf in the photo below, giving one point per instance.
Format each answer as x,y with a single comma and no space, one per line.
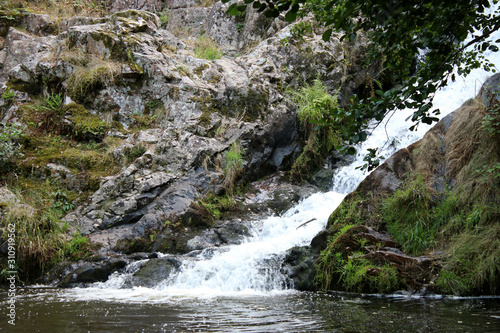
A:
290,16
327,34
233,10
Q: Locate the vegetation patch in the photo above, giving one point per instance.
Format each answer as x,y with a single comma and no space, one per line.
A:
408,216
211,208
473,265
96,74
41,237
9,145
206,48
84,125
233,166
317,111
342,265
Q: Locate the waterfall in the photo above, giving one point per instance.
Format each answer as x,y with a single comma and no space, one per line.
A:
253,267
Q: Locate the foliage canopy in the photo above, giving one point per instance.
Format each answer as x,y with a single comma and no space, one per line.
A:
423,43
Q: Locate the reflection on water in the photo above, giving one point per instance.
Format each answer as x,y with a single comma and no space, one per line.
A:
55,310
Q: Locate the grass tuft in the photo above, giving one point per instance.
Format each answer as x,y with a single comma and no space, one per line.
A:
205,48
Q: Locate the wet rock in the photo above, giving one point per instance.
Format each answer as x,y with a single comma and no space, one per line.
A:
153,272
232,232
274,195
91,272
299,267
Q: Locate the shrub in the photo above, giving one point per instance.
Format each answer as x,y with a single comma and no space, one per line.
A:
164,16
206,48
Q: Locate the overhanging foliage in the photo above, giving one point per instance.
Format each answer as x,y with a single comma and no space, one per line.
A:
422,43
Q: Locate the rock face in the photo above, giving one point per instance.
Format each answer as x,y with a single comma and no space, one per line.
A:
204,106
132,66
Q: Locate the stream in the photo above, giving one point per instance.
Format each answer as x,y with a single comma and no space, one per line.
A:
240,288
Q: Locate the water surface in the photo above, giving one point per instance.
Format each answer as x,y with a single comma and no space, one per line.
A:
59,310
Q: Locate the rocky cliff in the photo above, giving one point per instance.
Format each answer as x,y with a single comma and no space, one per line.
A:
139,129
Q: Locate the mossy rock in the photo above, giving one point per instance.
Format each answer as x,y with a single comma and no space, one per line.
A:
84,126
134,14
9,18
249,107
133,246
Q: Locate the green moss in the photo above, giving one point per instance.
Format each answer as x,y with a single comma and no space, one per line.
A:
199,70
249,107
84,125
144,121
134,152
80,160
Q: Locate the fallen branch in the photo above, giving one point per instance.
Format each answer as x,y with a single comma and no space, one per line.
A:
303,224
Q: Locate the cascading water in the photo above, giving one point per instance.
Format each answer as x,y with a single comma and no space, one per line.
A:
253,267
241,289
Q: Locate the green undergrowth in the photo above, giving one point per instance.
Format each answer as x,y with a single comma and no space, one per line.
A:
317,113
41,239
456,215
337,270
213,207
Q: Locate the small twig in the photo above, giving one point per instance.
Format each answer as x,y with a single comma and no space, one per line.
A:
303,224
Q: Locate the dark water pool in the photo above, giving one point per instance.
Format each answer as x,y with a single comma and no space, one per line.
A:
56,310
